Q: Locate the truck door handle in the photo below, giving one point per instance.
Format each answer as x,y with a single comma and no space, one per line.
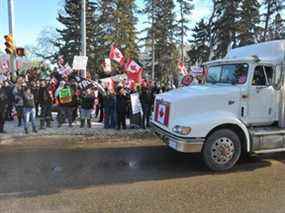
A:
231,102
258,89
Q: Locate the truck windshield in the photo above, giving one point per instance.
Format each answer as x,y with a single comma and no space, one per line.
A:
228,73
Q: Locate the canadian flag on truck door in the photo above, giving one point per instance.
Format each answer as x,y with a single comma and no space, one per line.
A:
162,114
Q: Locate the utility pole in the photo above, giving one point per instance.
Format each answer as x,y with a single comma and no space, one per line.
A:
153,42
182,33
11,20
83,32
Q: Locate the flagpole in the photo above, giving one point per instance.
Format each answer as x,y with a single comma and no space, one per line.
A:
11,19
83,32
153,43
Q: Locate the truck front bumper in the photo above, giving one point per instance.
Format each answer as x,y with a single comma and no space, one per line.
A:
181,144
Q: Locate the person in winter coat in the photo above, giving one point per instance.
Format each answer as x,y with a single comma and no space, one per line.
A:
18,93
110,109
87,101
9,91
35,90
146,101
99,105
45,101
3,106
121,107
29,110
65,103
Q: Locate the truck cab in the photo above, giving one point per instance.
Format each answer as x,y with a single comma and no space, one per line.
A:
239,110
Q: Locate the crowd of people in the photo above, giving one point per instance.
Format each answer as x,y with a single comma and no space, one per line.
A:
60,100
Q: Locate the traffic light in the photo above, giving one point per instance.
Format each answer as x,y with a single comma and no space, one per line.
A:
10,47
20,51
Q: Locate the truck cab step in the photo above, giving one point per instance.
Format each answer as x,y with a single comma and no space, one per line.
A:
264,131
267,139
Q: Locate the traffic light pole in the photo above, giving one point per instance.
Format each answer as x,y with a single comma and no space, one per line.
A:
83,32
152,43
11,31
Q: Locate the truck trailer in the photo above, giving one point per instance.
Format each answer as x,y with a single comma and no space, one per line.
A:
240,110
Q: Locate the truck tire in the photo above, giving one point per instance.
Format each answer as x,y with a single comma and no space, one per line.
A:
222,150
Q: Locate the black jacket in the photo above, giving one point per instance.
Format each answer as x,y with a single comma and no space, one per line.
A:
3,99
122,103
87,102
44,96
146,98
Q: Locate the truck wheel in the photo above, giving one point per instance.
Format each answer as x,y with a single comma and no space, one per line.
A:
222,150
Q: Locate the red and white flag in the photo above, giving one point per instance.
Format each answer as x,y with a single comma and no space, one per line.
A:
187,80
182,68
134,71
133,67
117,55
65,70
162,114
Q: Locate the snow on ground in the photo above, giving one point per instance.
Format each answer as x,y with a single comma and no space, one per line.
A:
13,131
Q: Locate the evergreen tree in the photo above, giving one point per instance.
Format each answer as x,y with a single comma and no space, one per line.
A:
211,28
225,26
200,49
162,32
248,23
151,9
125,21
279,30
273,9
69,36
166,50
117,26
106,21
185,8
105,36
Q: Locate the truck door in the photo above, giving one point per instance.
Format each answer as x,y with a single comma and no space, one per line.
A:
261,97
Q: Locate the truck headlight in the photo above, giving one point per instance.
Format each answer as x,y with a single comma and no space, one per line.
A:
182,130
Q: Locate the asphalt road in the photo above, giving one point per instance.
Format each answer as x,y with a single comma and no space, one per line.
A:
131,175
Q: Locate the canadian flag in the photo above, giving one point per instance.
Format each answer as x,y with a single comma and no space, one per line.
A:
133,67
134,71
117,55
182,68
65,70
130,84
187,80
162,114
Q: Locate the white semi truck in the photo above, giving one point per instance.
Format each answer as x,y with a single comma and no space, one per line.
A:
240,109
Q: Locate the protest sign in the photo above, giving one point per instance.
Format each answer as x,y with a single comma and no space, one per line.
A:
65,95
136,104
80,62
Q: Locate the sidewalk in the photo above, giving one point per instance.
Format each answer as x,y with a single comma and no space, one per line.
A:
97,130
